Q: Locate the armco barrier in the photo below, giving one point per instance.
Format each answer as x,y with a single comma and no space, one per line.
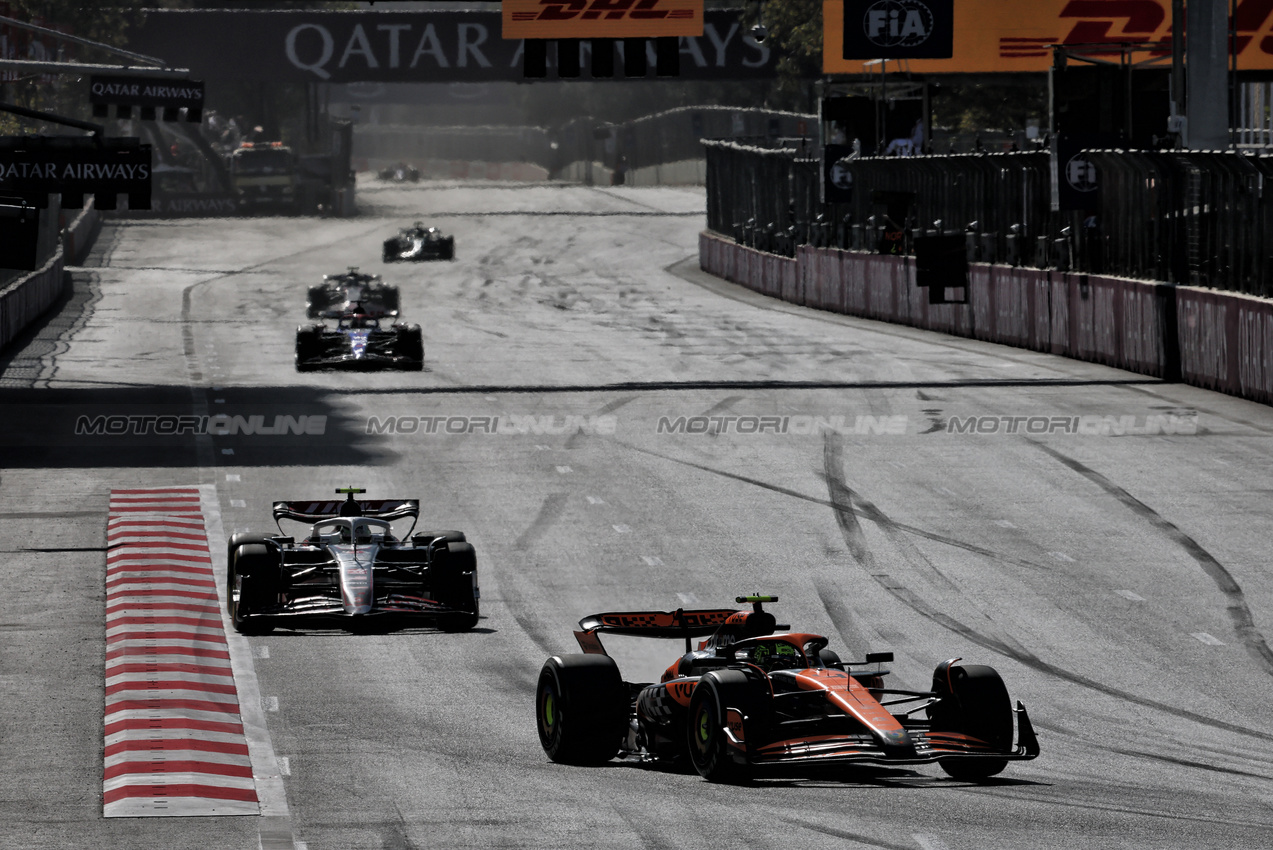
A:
1224,341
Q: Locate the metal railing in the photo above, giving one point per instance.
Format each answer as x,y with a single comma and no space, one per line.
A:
1199,218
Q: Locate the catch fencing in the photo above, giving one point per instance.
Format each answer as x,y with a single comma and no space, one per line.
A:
641,144
1186,217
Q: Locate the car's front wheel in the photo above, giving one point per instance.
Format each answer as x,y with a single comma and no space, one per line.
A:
715,757
411,347
974,702
253,577
454,576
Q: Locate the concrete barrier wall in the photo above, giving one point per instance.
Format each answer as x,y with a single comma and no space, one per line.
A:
79,234
1226,342
1218,340
458,169
22,301
27,298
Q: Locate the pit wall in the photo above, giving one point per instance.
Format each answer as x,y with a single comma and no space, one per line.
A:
27,298
1217,340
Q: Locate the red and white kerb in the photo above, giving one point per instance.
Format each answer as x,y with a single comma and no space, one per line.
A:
174,738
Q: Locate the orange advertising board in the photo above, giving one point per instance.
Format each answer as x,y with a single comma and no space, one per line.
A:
602,18
1013,36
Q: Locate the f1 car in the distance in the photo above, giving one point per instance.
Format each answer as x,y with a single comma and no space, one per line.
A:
751,698
350,570
419,243
351,292
359,342
399,172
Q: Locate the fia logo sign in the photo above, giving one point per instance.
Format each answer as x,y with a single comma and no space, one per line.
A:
899,29
898,23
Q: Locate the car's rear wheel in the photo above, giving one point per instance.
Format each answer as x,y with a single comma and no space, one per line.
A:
390,299
447,251
454,577
974,702
254,580
581,709
424,538
713,755
391,250
316,301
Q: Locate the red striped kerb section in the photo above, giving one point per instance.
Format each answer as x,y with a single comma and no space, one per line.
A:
174,739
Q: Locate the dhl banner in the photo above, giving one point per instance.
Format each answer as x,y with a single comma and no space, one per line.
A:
602,18
1014,35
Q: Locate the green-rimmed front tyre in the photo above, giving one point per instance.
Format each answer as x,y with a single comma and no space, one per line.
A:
581,708
713,756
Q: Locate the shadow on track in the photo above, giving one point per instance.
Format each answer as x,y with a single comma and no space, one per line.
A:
166,427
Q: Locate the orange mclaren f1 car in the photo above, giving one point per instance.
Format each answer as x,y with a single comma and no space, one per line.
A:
754,697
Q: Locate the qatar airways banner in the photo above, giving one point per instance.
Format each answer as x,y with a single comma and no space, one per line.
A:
41,165
396,47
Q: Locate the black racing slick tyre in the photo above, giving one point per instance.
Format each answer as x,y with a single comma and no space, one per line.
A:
713,755
309,347
316,301
447,251
254,579
391,299
390,254
240,539
424,538
581,709
454,576
974,703
411,347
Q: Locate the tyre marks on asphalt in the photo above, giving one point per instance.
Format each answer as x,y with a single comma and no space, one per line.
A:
174,741
1239,612
549,512
1007,647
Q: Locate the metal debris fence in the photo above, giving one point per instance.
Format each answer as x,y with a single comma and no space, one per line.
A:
1188,217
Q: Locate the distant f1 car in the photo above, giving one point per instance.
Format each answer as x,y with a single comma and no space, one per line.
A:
359,342
751,698
419,243
399,173
350,570
349,293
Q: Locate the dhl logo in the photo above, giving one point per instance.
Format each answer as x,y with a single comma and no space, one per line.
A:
1134,21
610,10
602,18
1007,36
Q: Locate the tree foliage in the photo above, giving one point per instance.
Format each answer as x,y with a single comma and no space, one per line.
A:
794,32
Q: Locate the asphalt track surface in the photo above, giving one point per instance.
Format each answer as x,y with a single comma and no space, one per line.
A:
1119,582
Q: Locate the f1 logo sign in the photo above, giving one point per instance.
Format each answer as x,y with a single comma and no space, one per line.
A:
899,29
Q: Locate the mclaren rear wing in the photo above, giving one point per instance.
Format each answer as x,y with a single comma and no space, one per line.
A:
678,624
